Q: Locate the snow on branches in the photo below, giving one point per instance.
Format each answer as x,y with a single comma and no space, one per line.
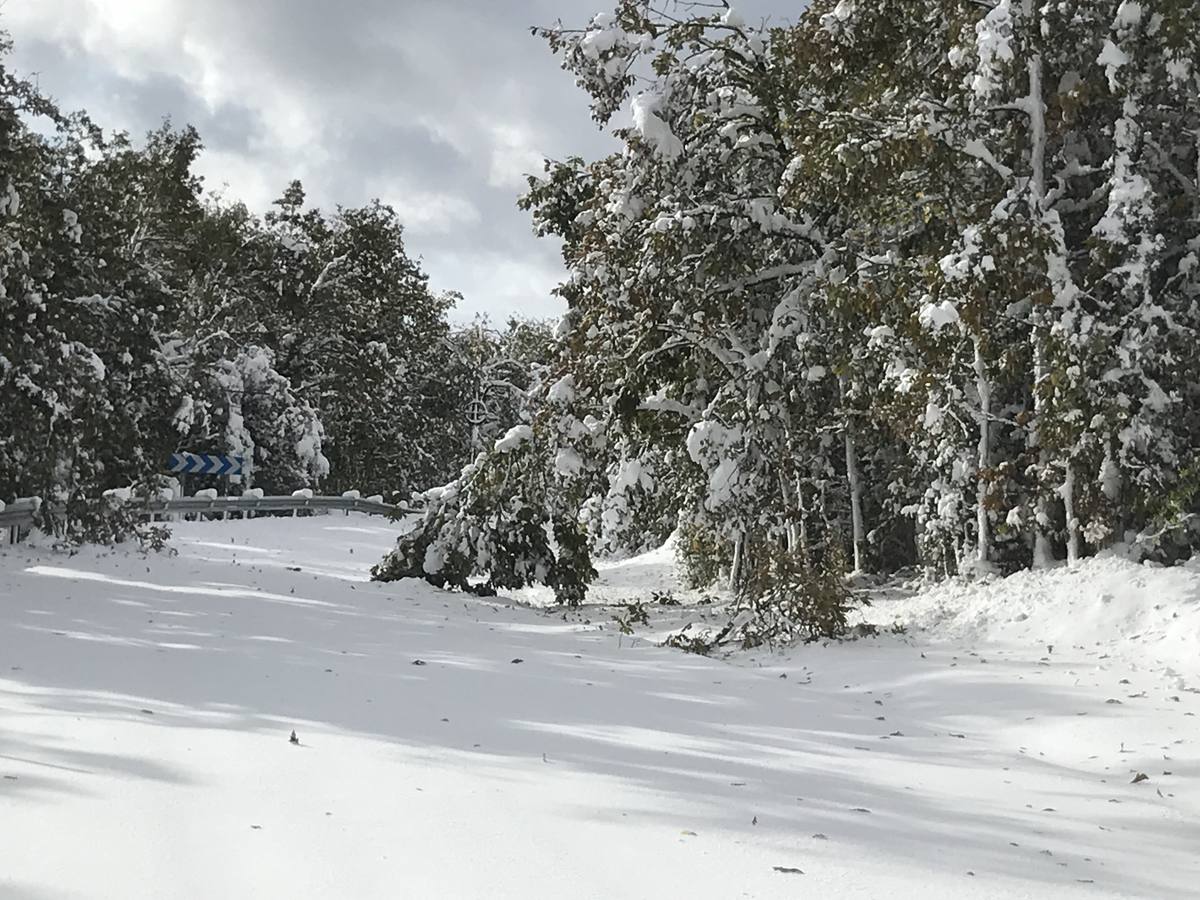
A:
924,264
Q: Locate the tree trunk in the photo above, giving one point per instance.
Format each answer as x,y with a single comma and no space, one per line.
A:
855,484
791,507
803,521
1068,495
1043,555
735,568
983,525
856,514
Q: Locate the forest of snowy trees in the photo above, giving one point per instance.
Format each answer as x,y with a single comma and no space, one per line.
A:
837,536
909,282
140,316
904,284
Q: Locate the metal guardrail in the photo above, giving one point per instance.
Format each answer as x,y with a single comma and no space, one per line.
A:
268,504
20,514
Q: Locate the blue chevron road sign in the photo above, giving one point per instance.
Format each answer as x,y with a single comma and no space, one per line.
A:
205,464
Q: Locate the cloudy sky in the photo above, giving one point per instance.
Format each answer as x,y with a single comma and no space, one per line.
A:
437,107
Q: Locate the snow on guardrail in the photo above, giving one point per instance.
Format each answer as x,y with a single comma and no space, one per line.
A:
21,513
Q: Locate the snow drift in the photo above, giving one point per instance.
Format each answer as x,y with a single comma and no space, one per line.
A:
1143,613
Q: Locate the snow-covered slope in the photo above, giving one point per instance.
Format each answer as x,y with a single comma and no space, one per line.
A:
456,748
1146,616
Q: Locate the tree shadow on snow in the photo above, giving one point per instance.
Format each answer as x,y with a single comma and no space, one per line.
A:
862,748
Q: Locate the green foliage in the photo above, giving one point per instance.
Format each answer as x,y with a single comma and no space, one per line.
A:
702,555
921,274
494,369
790,598
102,521
491,528
364,341
1175,523
1182,501
635,614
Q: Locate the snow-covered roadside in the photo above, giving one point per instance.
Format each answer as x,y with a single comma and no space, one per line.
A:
635,579
1146,616
458,748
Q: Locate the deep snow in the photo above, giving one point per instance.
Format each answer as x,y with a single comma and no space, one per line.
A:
146,704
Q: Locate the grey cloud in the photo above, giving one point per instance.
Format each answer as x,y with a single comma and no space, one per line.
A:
137,106
413,101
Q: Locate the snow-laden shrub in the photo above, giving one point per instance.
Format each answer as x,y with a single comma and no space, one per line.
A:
481,533
267,423
512,518
785,597
702,555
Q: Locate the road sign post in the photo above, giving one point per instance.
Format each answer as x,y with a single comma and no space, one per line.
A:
477,414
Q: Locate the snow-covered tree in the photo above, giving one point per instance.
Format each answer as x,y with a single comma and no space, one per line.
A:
142,316
904,281
512,517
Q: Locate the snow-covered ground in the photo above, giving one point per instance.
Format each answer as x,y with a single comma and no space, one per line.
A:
457,748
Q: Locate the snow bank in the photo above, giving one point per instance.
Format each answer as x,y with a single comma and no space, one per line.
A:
1147,615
